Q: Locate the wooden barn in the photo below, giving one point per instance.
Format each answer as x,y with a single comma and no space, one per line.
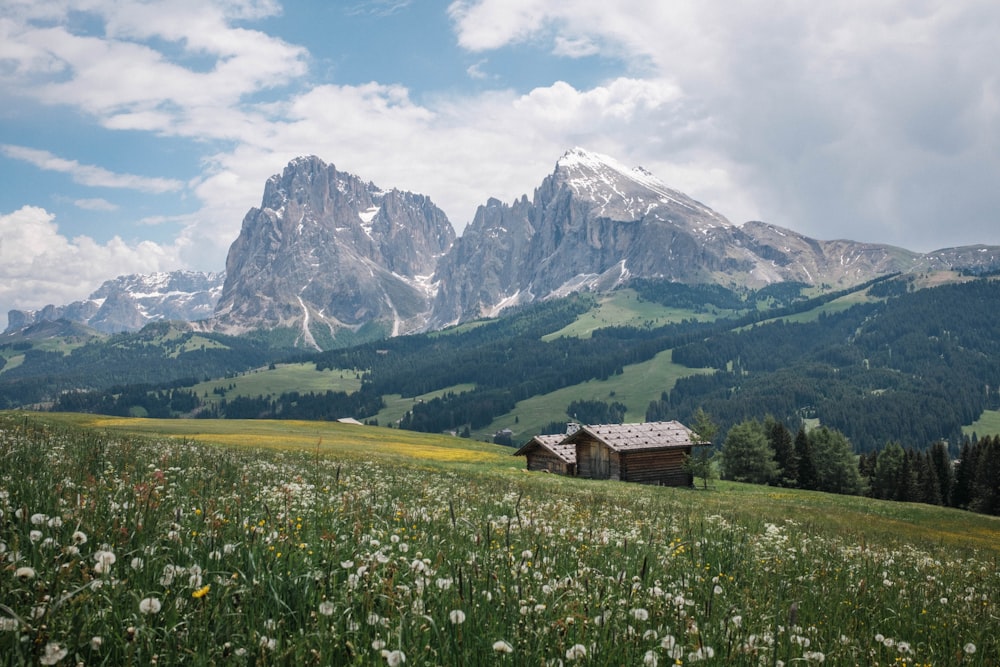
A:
546,452
650,453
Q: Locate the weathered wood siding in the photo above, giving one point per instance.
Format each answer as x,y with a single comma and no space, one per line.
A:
541,459
664,467
594,460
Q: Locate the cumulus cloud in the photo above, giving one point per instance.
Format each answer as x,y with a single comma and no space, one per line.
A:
125,82
854,119
40,266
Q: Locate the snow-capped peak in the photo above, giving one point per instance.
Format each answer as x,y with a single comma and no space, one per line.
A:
629,191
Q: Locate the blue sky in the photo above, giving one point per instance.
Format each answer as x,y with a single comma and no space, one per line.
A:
134,136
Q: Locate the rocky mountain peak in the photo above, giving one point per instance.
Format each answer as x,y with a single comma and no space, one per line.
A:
328,253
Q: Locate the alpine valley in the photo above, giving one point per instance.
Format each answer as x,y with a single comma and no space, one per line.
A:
604,287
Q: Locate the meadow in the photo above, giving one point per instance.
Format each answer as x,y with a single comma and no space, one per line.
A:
141,542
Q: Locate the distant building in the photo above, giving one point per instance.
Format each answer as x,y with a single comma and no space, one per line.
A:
547,453
648,453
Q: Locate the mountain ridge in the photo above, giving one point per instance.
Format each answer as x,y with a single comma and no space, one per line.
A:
332,259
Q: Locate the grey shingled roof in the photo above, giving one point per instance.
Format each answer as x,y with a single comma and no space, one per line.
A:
553,443
650,435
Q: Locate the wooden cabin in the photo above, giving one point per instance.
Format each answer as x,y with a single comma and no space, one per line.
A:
546,452
649,453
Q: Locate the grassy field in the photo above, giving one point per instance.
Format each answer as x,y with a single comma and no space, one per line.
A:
303,378
624,308
987,424
139,542
635,387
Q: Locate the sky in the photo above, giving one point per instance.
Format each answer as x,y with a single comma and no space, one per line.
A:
135,135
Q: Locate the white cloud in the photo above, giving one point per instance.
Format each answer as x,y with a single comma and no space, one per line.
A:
868,120
475,70
40,266
95,204
126,83
89,175
574,47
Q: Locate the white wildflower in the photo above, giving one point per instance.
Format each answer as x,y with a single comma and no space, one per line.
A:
53,654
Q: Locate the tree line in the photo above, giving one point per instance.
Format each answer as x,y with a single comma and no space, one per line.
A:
823,459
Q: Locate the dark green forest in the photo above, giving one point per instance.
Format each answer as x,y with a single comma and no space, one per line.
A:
911,367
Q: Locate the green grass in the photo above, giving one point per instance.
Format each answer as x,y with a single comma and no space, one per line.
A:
635,387
987,424
396,406
624,308
303,378
238,543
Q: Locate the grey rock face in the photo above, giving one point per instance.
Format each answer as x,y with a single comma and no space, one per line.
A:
327,251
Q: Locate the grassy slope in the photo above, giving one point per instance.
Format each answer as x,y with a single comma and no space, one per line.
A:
323,438
635,387
623,308
987,424
283,378
863,520
396,405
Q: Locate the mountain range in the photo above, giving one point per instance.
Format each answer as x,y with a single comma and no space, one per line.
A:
330,259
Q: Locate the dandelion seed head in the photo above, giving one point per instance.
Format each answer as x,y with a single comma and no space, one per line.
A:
326,608
576,652
24,573
456,616
150,606
53,654
394,658
500,646
969,648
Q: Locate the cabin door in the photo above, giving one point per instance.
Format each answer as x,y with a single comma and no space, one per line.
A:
602,465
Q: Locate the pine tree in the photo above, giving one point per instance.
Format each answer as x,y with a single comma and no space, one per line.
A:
784,451
803,454
930,487
888,469
943,469
747,455
965,476
701,463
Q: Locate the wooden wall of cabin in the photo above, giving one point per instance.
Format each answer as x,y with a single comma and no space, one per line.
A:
543,460
594,460
664,466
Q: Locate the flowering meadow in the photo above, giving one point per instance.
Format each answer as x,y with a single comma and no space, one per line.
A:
120,549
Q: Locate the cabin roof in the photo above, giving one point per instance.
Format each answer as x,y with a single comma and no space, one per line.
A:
634,437
554,444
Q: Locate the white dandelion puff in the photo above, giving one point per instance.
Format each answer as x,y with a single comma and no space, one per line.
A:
500,646
150,605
